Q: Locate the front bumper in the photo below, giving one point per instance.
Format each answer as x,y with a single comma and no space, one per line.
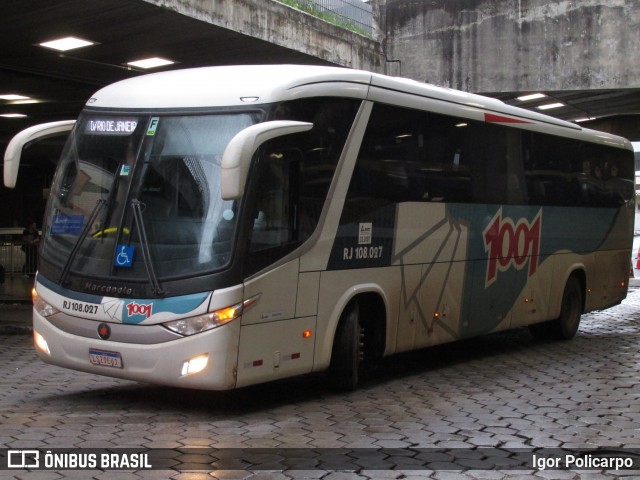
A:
160,363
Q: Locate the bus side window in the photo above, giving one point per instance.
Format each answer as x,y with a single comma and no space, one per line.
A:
409,156
274,219
565,172
292,176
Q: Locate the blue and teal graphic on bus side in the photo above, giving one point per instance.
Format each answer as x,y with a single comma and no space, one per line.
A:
138,310
508,244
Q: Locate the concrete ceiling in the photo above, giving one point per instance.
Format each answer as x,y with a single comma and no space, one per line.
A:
127,30
124,30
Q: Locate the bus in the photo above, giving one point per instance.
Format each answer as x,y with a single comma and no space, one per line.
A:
219,227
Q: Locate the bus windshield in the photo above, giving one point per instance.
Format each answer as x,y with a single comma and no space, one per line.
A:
168,168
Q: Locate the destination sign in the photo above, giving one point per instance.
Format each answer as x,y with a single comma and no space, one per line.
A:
111,126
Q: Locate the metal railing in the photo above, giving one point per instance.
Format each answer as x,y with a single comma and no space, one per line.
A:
354,15
18,258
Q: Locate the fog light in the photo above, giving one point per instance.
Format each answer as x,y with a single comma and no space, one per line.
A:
195,365
41,343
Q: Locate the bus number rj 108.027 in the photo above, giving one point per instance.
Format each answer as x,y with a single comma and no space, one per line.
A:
80,307
362,253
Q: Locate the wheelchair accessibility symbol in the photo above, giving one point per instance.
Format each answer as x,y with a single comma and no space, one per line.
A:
124,256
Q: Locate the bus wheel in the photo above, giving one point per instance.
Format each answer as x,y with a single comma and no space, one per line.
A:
566,325
347,349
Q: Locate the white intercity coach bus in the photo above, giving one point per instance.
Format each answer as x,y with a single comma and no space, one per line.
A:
220,227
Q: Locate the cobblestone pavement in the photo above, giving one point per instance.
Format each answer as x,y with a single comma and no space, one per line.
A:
505,390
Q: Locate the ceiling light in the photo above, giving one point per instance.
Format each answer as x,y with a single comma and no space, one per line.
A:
585,119
13,96
12,115
67,43
533,96
549,106
151,62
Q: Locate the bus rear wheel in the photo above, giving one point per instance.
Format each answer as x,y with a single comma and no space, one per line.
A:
566,325
347,352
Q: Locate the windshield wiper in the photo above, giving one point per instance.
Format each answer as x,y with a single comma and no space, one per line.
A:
146,253
94,214
85,231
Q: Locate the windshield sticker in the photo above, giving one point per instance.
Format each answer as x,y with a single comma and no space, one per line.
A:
67,224
124,170
153,126
124,256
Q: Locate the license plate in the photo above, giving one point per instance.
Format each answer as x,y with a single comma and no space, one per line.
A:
105,359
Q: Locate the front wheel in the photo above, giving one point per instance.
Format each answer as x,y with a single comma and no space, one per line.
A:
346,355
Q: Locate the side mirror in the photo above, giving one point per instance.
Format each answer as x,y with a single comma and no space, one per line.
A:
25,137
236,158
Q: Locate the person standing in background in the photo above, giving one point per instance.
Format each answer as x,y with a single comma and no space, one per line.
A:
31,240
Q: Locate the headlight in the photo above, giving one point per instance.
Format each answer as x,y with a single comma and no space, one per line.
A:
202,323
42,307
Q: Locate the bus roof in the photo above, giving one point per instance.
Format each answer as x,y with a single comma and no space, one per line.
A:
242,85
229,86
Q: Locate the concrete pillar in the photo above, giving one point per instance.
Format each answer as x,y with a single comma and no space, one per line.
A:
515,45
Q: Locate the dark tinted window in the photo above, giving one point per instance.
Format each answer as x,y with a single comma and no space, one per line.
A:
411,155
562,171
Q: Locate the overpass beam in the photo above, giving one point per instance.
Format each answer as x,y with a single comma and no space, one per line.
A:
287,27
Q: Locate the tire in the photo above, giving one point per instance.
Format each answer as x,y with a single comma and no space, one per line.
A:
347,350
566,325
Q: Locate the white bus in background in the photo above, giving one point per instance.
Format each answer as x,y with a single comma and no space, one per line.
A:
219,227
